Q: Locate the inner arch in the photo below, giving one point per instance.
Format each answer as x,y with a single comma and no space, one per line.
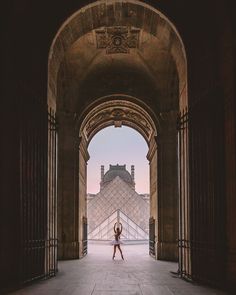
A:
117,112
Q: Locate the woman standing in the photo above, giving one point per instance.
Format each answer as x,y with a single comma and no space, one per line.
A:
117,241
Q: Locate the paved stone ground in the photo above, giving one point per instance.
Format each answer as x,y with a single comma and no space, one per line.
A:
98,274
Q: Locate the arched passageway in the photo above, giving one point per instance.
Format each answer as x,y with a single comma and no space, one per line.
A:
131,51
119,112
117,70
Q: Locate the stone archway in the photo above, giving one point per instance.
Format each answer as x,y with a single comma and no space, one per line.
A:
110,49
118,111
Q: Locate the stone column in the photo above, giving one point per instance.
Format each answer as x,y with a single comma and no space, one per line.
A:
167,187
82,194
68,225
153,162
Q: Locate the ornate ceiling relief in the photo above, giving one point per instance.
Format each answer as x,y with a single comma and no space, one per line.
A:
117,39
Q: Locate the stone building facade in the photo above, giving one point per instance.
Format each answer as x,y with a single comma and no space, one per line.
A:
117,200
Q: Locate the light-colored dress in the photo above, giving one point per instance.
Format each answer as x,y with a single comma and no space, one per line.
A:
116,241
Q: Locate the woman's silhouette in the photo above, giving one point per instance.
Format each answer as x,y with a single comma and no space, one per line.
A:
117,241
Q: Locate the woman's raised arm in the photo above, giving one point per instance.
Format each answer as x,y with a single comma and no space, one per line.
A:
121,227
115,227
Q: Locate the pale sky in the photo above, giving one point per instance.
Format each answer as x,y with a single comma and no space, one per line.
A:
118,146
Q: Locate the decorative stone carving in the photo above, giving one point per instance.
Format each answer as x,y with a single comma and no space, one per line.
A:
118,117
118,123
117,39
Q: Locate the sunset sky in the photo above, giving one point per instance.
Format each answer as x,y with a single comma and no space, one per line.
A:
118,146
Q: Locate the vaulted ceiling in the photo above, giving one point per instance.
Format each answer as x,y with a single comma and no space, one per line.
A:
117,47
146,71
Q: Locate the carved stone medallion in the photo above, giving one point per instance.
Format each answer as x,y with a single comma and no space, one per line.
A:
117,39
